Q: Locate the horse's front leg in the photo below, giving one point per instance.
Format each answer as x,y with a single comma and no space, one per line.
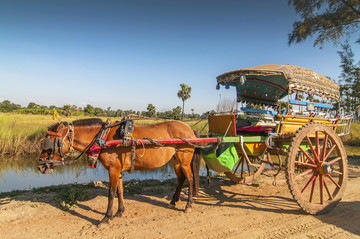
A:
113,184
120,195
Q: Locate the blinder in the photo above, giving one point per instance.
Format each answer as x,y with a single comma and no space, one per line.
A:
54,146
48,144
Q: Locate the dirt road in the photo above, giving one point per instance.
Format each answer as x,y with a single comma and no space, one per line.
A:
223,210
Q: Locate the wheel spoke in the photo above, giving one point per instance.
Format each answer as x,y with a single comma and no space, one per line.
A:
304,173
337,172
333,180
306,164
323,152
312,190
313,177
321,189
334,160
317,148
307,155
330,151
312,148
327,189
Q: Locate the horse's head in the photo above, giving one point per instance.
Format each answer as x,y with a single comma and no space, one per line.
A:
56,144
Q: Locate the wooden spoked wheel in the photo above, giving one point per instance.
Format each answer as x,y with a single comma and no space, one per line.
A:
246,173
316,170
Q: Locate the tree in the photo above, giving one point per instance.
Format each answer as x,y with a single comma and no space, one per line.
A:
99,112
329,20
176,113
89,109
67,110
350,79
7,106
151,110
32,105
184,94
119,113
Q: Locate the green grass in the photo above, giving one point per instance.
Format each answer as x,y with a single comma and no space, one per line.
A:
65,196
353,138
20,134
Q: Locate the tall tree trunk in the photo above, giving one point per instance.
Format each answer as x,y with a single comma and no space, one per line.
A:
182,115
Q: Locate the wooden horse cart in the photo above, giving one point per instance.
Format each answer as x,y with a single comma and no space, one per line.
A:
286,117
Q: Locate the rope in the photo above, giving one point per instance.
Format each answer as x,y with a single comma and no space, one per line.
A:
143,145
186,141
154,142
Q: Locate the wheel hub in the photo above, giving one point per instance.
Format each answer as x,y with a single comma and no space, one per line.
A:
325,168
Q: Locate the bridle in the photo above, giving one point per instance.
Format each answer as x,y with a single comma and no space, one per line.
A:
57,145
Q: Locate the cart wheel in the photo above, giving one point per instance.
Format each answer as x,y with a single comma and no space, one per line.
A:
247,173
316,168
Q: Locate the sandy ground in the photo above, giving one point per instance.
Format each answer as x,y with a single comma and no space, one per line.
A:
222,210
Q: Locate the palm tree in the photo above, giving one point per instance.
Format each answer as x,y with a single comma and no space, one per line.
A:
184,94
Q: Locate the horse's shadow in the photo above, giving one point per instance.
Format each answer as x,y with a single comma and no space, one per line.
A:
215,195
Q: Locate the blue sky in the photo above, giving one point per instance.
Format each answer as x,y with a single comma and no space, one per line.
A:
127,54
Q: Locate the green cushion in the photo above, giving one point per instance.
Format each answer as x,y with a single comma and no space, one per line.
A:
224,162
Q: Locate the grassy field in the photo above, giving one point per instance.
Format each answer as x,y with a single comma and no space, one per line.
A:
20,134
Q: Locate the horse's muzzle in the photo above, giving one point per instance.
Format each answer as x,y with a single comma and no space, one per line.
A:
45,168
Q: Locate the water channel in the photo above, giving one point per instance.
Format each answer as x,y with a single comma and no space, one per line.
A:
20,173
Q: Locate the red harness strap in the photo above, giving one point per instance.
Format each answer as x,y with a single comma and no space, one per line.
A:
95,149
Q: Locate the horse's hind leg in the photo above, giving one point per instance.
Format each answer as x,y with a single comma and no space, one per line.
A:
119,191
184,158
188,175
180,178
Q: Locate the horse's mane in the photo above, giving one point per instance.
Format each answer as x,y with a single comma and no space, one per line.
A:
87,122
55,126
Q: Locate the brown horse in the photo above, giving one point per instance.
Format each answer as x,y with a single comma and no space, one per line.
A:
185,158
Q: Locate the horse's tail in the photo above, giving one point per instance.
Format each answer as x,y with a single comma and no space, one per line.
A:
195,167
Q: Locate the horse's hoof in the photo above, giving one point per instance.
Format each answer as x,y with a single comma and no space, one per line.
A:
187,209
103,224
118,214
171,206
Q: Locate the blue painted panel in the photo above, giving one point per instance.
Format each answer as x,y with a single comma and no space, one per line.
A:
249,110
298,102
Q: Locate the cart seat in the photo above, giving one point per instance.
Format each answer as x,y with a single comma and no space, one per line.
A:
258,130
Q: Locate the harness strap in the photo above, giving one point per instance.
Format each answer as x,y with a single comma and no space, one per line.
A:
133,156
